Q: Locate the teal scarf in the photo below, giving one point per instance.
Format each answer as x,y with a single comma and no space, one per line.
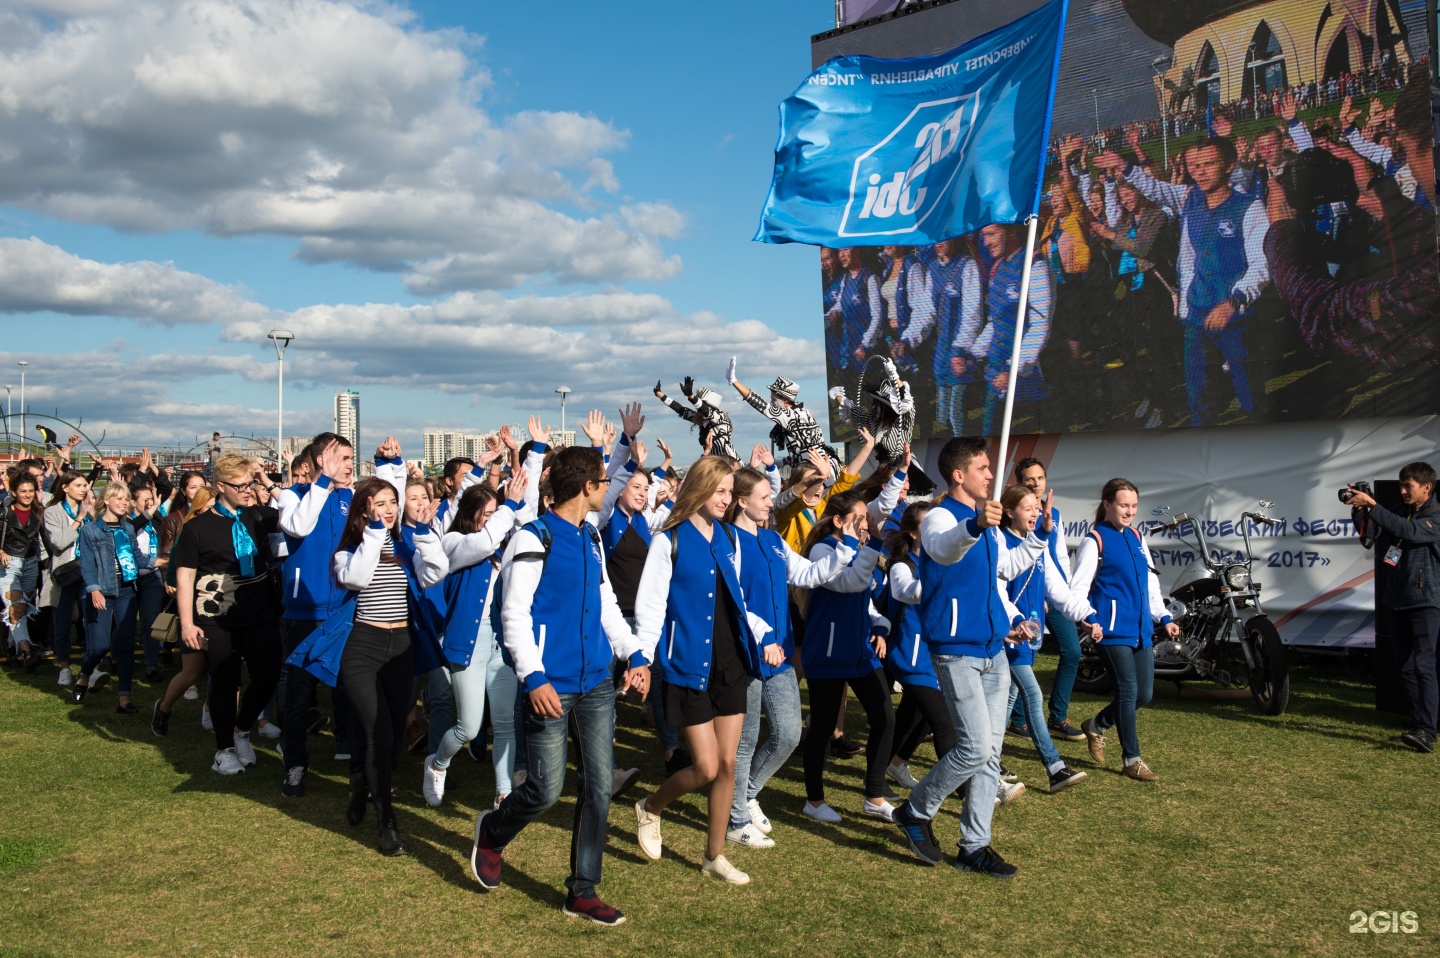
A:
240,536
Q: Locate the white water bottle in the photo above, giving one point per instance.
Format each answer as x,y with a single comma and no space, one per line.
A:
1037,635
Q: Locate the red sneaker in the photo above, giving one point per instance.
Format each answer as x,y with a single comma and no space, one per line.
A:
592,909
485,861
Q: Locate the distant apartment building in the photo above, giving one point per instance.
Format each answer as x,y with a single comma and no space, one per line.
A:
347,416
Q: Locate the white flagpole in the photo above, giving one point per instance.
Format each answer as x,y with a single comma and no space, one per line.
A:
1002,455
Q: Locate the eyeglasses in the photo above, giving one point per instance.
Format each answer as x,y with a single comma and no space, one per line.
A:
237,486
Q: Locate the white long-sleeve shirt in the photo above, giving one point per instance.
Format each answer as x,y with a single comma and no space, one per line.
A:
354,570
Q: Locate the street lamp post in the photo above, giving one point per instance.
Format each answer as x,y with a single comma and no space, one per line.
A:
1095,95
1160,64
563,391
281,338
9,447
22,364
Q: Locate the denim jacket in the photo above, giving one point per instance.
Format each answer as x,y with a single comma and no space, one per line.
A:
97,559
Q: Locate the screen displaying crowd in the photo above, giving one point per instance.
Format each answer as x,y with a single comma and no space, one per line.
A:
1263,257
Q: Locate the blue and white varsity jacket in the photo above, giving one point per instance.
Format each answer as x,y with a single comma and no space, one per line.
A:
840,618
964,607
1121,586
675,603
562,625
320,652
471,582
909,659
1033,588
768,567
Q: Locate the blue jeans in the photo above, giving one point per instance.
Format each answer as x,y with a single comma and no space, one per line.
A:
1134,672
1068,640
440,715
977,692
62,625
1025,692
112,630
779,697
150,599
1230,341
486,678
590,718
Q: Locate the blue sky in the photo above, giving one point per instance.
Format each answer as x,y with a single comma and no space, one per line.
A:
180,178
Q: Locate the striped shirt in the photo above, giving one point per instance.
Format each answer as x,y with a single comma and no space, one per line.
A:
387,597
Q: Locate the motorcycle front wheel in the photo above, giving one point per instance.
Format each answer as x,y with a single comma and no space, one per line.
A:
1093,676
1270,675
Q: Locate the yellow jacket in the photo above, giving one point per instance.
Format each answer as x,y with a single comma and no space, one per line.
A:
794,520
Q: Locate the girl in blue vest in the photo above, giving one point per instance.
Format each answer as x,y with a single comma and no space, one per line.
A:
768,568
844,643
956,295
690,609
922,707
366,641
469,647
1030,590
1112,568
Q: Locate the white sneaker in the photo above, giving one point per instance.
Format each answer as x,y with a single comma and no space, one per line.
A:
98,680
191,694
900,775
269,730
1008,792
244,750
432,783
66,678
722,869
622,780
205,722
821,813
749,836
757,817
647,832
227,763
884,810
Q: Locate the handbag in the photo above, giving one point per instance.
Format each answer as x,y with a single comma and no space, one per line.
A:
166,627
67,575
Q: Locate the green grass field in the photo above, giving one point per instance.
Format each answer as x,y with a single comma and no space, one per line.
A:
1263,837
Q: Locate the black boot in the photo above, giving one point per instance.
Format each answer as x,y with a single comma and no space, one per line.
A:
359,800
391,842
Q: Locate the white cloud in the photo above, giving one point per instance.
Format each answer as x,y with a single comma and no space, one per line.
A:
343,125
36,276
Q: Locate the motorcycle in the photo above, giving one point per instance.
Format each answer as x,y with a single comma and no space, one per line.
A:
1216,603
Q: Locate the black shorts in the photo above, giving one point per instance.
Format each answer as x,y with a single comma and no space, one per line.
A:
685,707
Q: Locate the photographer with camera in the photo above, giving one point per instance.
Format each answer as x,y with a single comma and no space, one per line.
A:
1411,546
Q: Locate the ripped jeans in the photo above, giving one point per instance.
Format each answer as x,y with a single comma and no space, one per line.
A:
17,597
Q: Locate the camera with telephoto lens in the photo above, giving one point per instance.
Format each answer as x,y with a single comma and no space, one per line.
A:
1347,493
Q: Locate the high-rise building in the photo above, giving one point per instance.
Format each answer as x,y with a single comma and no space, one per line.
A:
563,437
445,444
347,416
292,445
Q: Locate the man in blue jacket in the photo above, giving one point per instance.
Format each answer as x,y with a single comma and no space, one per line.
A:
562,629
966,618
1410,545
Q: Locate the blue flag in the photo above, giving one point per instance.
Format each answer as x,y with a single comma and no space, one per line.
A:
911,152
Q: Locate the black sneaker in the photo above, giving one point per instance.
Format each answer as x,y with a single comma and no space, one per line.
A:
33,660
593,909
1418,739
294,784
678,761
987,861
919,835
1064,778
159,721
1018,729
128,708
845,747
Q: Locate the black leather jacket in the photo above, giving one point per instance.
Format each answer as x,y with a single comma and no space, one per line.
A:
16,540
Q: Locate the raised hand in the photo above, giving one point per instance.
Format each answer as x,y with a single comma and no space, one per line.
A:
492,452
820,461
1289,109
638,453
538,431
631,420
1132,137
1348,112
658,390
755,461
867,439
413,471
687,387
1047,518
730,371
508,438
594,427
389,449
73,441
427,512
515,487
329,460
609,436
709,441
666,450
